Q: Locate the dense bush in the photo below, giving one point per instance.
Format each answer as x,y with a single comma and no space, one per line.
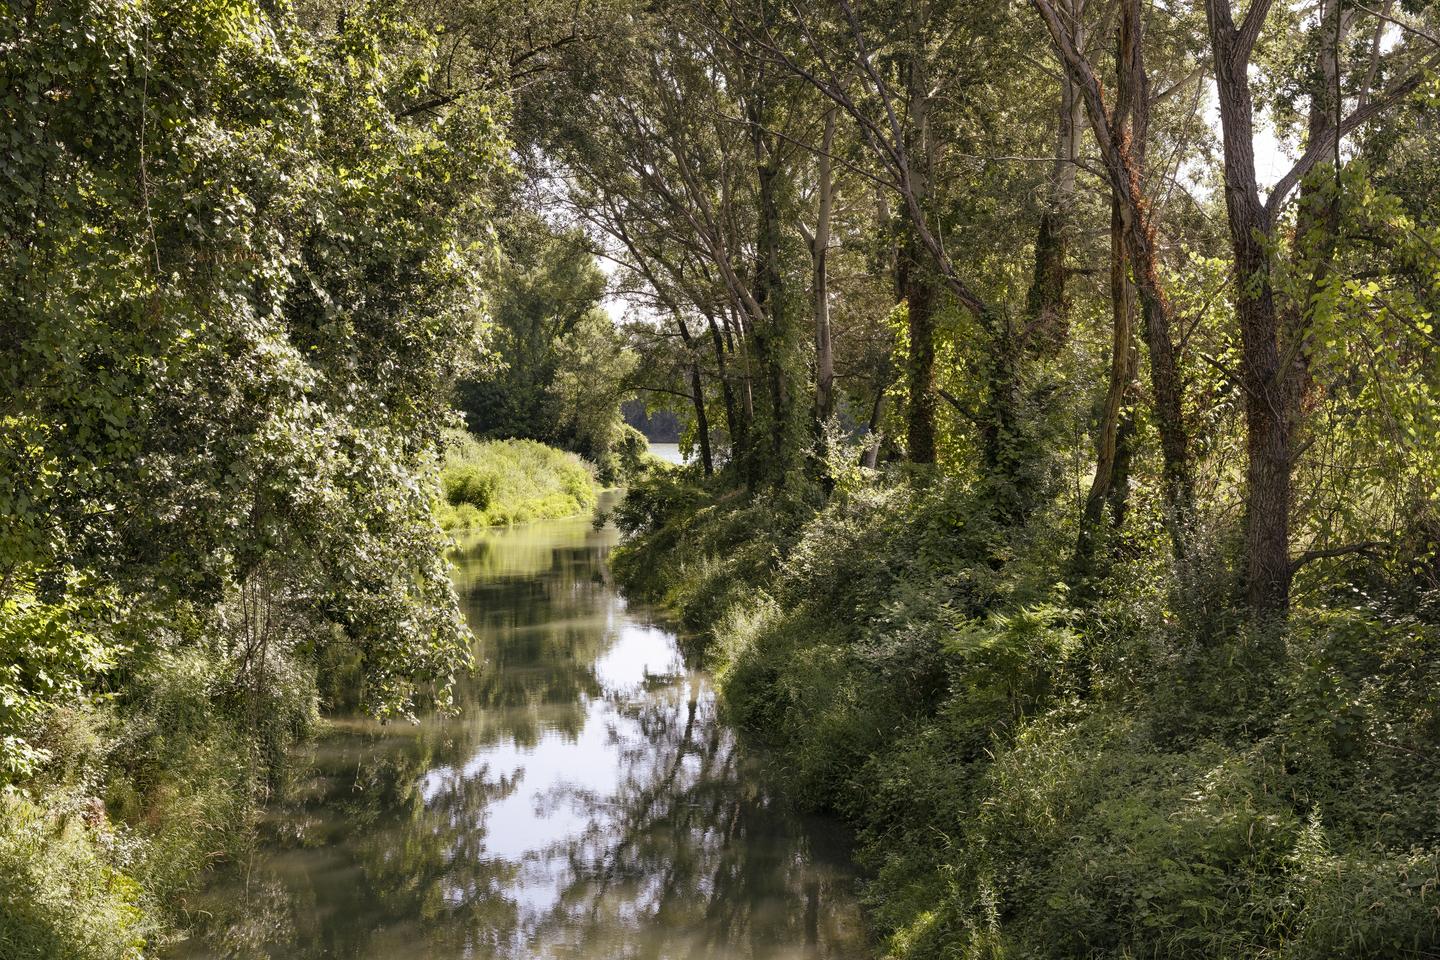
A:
236,282
1030,776
60,896
498,482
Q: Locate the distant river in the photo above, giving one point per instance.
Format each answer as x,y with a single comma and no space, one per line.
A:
586,802
668,451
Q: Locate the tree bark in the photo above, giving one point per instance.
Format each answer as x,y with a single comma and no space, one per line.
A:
772,333
1111,483
819,251
697,394
916,285
1112,462
1264,381
873,438
1123,173
1047,305
734,426
918,292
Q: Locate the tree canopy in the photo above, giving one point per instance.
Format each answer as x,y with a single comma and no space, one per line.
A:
1079,295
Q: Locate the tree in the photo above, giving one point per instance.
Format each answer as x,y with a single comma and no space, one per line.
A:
1273,357
234,283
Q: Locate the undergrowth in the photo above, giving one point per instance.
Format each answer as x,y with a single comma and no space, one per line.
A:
1031,774
139,793
500,482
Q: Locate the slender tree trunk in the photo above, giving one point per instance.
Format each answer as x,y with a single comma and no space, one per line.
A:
1124,450
873,438
697,394
917,289
733,425
1108,487
702,424
916,283
1167,386
820,249
1264,381
772,339
1047,306
747,388
1130,121
743,452
770,295
1316,229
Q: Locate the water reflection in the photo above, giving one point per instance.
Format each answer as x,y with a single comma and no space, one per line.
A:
586,802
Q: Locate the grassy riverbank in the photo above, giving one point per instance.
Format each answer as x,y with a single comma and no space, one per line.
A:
1036,774
489,483
139,785
127,785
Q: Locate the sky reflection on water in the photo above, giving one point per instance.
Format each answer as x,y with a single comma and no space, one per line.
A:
585,802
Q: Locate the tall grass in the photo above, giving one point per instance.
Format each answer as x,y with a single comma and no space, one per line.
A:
1032,776
500,482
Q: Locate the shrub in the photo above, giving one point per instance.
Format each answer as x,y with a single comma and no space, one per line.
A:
500,482
1141,775
60,899
469,485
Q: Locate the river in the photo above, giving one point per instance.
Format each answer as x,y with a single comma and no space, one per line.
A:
586,801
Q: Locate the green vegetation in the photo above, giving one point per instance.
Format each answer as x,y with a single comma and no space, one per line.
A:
235,278
1070,508
1137,774
499,482
1066,512
564,365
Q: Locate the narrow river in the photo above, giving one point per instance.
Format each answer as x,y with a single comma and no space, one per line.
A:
586,802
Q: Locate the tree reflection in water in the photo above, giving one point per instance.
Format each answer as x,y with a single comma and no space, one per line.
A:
585,802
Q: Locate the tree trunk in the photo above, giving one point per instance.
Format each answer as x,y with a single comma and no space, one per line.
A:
772,339
871,455
1109,487
734,427
702,425
916,285
1130,121
918,291
820,248
1123,173
1264,381
697,394
1315,229
1047,307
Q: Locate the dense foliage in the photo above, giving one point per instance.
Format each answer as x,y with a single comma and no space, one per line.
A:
236,272
1134,775
1065,510
562,366
1071,524
499,482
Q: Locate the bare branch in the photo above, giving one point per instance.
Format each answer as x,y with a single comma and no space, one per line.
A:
1326,143
1309,556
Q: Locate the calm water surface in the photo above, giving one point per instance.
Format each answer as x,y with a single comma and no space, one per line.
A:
585,803
669,452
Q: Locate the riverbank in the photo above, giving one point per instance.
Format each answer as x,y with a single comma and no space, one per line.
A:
1035,774
490,483
584,798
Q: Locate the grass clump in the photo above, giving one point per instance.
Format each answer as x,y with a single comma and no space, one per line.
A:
61,898
1032,774
488,483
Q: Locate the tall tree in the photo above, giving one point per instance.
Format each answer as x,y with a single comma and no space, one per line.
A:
1136,217
1271,362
